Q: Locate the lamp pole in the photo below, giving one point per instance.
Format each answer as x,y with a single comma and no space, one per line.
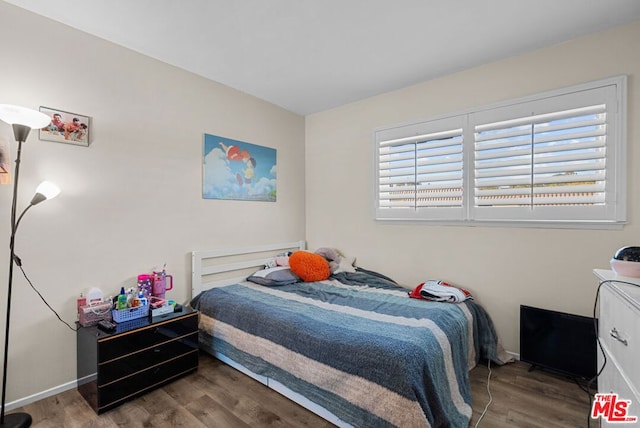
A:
23,120
15,419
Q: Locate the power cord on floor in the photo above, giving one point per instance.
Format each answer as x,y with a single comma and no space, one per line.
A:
488,392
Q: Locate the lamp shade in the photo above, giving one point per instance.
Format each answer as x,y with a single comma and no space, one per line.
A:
48,189
16,115
45,190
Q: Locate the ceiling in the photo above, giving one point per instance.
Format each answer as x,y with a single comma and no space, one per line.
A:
312,55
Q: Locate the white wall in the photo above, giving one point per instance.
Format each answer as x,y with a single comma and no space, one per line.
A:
132,200
503,267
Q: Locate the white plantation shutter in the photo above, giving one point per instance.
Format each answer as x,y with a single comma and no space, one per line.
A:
551,159
422,174
556,157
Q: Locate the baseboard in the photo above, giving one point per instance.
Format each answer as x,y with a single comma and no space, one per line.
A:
514,355
41,395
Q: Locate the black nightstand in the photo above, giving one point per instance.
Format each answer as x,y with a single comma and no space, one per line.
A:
141,355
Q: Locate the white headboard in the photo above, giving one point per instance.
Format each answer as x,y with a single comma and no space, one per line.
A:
228,266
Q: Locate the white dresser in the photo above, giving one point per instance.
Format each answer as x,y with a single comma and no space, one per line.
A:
619,332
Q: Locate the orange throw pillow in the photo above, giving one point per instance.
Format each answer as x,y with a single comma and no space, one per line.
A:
309,266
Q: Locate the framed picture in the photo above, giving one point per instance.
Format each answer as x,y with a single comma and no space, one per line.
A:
65,127
5,169
234,169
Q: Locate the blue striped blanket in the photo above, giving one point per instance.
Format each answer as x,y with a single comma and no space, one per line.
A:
359,347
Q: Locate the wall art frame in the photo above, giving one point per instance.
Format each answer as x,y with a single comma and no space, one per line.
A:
5,162
238,170
66,127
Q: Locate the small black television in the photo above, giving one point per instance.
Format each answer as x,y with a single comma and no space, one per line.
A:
559,342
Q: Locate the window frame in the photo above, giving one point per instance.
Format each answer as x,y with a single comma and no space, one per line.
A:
613,215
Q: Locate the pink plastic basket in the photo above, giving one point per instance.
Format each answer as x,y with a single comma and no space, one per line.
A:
89,315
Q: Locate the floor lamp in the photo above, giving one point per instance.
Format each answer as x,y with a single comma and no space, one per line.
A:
22,120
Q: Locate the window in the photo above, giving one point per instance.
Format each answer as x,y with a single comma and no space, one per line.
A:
557,157
423,171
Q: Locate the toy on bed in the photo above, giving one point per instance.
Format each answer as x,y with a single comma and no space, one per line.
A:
338,262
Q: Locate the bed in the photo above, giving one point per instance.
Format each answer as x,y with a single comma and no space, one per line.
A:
354,348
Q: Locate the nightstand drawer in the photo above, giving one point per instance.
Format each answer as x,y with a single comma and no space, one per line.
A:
120,368
620,332
140,382
124,344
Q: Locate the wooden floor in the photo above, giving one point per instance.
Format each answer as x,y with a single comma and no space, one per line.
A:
219,396
525,399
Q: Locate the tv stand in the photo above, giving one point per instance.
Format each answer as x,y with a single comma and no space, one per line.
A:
579,380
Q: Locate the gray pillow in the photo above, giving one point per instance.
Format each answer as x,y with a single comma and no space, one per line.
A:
279,275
